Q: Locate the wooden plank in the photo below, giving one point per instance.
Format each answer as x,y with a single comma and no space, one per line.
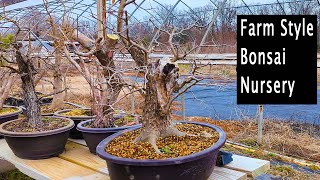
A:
252,166
53,168
80,155
222,173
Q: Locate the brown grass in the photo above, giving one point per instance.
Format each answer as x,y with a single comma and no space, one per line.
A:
278,136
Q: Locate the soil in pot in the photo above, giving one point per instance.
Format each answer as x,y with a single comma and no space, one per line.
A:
77,115
8,113
7,110
77,112
171,147
49,123
93,136
44,141
47,109
125,120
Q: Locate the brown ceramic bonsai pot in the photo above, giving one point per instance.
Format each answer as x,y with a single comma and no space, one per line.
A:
10,116
37,145
93,136
74,133
197,166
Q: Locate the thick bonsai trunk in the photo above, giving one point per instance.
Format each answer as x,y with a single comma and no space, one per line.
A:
59,96
110,80
8,80
162,80
31,101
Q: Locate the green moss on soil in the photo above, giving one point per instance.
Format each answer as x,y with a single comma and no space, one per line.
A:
7,110
171,147
77,112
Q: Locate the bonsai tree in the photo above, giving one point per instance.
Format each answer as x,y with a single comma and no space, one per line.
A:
162,86
22,65
105,80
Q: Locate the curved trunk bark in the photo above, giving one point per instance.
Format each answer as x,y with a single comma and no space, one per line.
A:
31,101
156,122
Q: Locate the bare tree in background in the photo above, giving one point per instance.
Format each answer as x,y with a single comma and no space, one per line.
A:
58,79
7,79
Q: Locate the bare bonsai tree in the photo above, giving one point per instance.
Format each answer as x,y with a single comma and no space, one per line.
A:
105,81
22,64
162,80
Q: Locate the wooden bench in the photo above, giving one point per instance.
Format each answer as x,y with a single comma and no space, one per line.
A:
77,163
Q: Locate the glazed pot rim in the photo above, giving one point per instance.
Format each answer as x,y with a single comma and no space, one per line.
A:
160,162
19,110
35,134
58,113
81,128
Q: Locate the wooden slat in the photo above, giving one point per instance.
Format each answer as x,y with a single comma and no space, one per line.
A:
53,168
252,166
222,173
80,155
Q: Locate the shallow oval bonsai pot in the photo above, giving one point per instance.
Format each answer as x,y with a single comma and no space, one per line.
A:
37,145
10,116
74,133
93,136
197,166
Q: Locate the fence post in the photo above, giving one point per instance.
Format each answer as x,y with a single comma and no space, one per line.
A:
260,123
183,108
132,103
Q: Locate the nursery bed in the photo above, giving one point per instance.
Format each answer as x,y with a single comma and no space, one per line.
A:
81,164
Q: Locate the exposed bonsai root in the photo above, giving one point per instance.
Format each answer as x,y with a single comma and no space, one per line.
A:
152,136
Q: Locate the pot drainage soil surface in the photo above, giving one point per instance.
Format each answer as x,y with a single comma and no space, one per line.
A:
171,146
49,123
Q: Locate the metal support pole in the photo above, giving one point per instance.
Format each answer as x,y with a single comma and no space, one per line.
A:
214,17
183,107
132,104
300,7
260,123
